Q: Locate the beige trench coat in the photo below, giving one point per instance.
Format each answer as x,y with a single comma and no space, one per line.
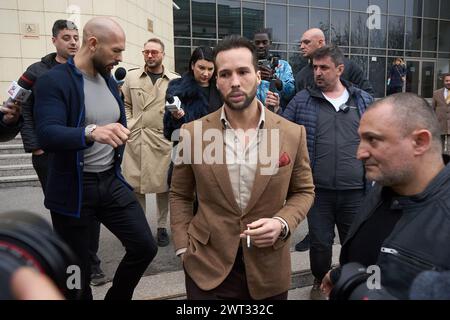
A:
147,153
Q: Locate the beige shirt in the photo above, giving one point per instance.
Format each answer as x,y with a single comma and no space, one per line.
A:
242,158
241,150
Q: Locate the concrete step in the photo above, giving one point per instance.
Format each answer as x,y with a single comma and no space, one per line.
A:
17,170
19,181
16,140
9,159
171,285
11,149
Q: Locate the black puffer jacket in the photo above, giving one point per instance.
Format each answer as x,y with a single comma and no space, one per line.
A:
28,132
419,240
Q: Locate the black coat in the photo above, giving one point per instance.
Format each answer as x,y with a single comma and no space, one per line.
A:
28,131
419,240
193,101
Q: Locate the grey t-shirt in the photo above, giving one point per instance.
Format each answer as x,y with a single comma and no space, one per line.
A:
101,109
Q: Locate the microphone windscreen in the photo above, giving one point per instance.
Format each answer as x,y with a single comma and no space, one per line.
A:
120,74
169,98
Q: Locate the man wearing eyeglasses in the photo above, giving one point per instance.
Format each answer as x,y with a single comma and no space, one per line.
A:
147,153
330,112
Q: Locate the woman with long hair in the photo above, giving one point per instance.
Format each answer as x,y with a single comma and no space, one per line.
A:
196,90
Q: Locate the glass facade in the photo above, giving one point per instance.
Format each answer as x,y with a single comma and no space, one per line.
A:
370,32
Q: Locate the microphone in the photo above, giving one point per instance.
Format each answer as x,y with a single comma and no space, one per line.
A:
173,103
119,76
20,91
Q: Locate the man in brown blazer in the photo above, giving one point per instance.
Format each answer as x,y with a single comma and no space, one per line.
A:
441,104
237,245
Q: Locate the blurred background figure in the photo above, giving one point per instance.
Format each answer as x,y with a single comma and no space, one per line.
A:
396,77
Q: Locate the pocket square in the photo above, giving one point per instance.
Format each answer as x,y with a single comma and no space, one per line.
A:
284,160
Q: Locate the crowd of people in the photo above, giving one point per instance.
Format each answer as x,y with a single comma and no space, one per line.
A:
249,153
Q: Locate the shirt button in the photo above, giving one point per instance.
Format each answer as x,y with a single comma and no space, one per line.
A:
395,203
81,163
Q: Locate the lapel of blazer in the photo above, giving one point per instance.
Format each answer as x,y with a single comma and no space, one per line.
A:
220,171
261,181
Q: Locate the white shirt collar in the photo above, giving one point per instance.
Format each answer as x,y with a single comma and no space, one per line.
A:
262,117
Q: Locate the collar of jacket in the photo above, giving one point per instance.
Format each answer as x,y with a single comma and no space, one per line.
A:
166,73
317,93
48,59
433,189
186,87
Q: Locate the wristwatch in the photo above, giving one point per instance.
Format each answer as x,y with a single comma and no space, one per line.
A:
283,233
88,131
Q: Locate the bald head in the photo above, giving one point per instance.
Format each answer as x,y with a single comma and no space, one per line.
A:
102,28
311,40
315,33
103,44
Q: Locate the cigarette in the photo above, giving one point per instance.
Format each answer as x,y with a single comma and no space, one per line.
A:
248,239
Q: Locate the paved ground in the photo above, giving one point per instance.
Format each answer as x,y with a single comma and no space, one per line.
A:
111,251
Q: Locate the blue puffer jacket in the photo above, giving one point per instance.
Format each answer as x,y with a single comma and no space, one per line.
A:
304,109
193,101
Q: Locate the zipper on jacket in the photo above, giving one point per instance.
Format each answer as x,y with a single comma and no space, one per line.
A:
408,258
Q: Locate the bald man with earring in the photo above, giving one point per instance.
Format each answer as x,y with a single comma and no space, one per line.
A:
81,120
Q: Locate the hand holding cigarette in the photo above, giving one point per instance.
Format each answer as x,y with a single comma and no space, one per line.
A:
262,233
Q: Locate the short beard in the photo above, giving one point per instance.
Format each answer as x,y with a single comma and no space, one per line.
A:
155,64
240,107
398,177
101,68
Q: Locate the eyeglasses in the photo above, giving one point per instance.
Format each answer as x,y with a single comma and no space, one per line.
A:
152,52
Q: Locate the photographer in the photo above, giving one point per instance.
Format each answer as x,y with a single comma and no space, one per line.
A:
403,224
276,74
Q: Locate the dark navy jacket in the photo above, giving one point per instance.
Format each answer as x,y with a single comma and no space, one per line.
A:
59,113
304,110
193,101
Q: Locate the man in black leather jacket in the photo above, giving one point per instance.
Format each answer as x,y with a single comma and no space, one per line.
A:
404,223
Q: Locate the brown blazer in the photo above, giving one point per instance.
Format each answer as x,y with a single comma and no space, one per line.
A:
442,110
212,235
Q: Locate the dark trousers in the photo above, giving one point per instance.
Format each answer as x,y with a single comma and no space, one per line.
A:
93,247
40,165
392,90
234,287
331,207
115,206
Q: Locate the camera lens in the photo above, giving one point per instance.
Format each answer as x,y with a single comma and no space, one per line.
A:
28,240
